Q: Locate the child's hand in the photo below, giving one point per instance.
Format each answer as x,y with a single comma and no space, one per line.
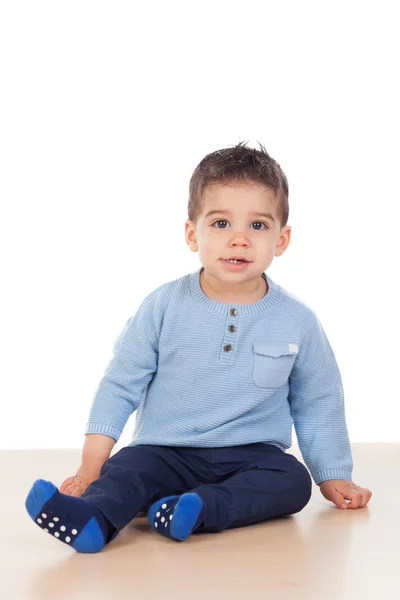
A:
338,490
76,485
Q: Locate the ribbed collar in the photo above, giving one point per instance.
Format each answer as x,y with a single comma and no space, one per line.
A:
221,307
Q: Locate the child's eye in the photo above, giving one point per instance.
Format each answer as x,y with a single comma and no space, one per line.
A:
225,221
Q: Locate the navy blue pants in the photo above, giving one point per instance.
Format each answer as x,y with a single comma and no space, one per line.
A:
239,485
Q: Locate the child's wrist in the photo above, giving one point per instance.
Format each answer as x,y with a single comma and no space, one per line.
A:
89,471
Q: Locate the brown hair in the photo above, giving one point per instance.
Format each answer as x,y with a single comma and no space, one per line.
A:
238,164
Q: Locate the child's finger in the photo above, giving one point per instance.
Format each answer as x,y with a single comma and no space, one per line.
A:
337,498
66,483
69,490
354,496
365,496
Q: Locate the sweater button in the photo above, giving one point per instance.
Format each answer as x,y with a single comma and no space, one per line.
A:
227,347
233,312
232,328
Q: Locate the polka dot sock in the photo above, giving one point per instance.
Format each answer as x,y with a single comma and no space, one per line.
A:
177,517
70,519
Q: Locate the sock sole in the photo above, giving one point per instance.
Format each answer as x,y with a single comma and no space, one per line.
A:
184,515
53,515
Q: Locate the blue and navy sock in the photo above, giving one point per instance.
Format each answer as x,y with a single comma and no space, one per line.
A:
177,517
70,519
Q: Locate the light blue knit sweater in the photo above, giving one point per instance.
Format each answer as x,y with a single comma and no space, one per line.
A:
204,373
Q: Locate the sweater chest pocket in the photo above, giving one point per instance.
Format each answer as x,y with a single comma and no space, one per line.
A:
273,362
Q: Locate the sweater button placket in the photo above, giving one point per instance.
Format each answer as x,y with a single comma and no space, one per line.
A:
231,328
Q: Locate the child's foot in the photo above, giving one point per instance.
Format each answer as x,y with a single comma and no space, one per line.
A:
70,519
177,516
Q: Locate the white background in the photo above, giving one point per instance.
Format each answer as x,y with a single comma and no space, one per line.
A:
106,108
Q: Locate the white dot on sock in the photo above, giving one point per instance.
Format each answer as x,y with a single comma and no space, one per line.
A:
39,521
56,519
164,506
155,524
158,514
62,527
51,524
74,531
166,523
46,530
56,534
162,519
44,516
170,517
67,539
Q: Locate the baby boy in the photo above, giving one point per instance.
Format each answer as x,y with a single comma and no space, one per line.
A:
219,364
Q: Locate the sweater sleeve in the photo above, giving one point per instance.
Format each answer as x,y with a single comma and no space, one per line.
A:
128,373
317,407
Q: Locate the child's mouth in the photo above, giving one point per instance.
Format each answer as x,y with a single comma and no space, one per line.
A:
234,266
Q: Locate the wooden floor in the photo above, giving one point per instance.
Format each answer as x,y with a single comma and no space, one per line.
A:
321,552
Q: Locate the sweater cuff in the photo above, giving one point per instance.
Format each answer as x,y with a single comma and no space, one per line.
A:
326,474
103,428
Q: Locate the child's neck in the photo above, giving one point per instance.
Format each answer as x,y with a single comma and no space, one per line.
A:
234,298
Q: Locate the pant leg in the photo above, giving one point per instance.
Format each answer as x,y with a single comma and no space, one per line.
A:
135,477
269,484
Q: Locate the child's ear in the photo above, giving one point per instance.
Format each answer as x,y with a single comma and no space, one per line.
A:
284,240
190,235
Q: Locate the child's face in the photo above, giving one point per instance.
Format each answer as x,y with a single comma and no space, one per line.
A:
237,232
